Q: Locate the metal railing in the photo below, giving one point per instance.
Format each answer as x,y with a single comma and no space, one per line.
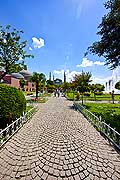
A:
6,133
111,134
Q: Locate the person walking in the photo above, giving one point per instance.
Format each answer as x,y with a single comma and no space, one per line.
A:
58,92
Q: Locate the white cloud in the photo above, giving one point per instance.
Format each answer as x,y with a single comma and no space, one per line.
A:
38,43
99,80
86,62
69,74
99,63
58,71
30,48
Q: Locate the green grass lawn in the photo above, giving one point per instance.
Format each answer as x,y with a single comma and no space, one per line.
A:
103,97
110,113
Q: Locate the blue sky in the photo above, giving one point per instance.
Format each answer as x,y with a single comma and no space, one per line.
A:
58,34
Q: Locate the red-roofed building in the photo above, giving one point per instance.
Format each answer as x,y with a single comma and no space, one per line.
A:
14,78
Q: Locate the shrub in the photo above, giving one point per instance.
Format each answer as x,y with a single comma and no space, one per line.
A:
98,93
87,94
78,96
37,100
29,93
12,104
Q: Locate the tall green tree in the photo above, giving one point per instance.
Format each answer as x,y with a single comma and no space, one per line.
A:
49,82
66,85
81,82
12,49
96,88
22,83
109,31
17,67
38,79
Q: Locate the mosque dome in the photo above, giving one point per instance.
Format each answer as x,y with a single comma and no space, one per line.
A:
26,73
17,76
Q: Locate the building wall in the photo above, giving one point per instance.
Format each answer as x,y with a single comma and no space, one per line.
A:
15,83
30,86
7,79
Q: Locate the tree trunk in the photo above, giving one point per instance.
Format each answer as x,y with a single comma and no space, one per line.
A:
36,91
113,98
94,96
82,99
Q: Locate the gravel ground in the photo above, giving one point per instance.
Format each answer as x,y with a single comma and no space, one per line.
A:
58,144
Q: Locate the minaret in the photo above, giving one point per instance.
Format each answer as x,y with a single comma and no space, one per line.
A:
64,77
50,76
53,77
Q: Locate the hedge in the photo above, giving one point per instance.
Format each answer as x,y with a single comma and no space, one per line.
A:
12,104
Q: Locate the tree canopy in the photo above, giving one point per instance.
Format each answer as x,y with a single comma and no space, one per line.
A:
109,31
12,50
38,78
117,85
81,82
97,87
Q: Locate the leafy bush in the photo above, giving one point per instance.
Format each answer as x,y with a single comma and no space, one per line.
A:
37,100
29,93
87,94
98,93
12,104
78,96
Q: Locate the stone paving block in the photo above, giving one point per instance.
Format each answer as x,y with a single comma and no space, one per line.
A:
73,172
28,178
77,177
44,176
56,172
40,173
22,178
46,168
33,173
62,174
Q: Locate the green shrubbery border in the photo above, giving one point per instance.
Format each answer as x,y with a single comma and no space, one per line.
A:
12,104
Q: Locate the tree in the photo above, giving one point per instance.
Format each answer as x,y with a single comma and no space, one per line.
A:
96,88
22,83
38,78
117,85
65,86
49,82
11,49
17,67
81,82
109,44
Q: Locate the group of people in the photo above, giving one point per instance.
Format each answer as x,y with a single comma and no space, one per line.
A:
57,93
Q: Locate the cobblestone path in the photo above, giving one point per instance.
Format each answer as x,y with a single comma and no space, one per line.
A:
58,144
